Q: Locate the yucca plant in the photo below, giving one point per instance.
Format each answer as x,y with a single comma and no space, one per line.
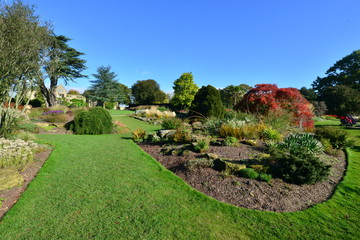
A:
305,141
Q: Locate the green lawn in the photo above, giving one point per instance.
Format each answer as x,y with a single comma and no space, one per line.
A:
106,187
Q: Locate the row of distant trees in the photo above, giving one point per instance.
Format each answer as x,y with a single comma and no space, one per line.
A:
336,93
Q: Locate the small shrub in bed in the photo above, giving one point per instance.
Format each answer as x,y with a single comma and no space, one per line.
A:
171,123
231,141
202,144
306,142
264,177
300,166
138,135
57,116
337,137
182,135
94,121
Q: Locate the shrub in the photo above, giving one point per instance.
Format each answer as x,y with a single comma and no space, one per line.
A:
16,153
307,142
300,167
35,103
271,134
35,113
337,137
231,141
212,126
9,118
279,120
251,131
110,105
264,177
28,127
138,135
55,117
207,103
182,135
153,138
202,144
171,123
248,173
95,121
77,103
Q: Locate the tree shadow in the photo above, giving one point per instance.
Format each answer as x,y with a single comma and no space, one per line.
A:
356,148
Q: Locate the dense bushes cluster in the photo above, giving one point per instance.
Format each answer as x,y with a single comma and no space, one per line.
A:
296,159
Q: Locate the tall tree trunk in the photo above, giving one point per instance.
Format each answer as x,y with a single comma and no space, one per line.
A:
48,94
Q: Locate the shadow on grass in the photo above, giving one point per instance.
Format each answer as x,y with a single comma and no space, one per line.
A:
356,148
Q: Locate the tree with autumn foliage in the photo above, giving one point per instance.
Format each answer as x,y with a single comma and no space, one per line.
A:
266,98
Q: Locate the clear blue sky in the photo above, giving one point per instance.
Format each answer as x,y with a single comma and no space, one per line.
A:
222,42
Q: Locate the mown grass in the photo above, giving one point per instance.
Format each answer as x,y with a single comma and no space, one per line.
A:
106,187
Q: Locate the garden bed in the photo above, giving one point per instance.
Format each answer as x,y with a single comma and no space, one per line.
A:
10,196
275,195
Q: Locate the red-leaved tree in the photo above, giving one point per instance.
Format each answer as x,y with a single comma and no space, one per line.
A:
265,98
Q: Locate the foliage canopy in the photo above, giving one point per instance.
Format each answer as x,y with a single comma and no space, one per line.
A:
265,98
184,90
147,92
207,102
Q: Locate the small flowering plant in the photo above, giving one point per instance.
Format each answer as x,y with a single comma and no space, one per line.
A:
16,153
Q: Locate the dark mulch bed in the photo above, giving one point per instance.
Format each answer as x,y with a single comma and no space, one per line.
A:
275,196
12,195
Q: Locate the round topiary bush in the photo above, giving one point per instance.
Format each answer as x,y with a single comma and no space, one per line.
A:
207,103
94,121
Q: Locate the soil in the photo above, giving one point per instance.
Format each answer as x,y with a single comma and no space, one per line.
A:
276,195
12,195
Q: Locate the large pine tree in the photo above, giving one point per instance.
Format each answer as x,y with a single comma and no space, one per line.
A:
105,87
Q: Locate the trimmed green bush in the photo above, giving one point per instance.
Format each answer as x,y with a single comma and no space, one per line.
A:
207,103
300,167
92,122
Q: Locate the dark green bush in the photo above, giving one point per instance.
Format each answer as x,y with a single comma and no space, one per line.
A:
248,173
94,121
171,123
300,167
207,103
337,137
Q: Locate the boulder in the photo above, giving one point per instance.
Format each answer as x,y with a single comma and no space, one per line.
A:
227,166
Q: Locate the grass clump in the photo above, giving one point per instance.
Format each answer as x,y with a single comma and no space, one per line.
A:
171,123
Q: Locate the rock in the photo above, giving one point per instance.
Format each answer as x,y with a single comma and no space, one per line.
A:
10,177
228,167
212,156
166,133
